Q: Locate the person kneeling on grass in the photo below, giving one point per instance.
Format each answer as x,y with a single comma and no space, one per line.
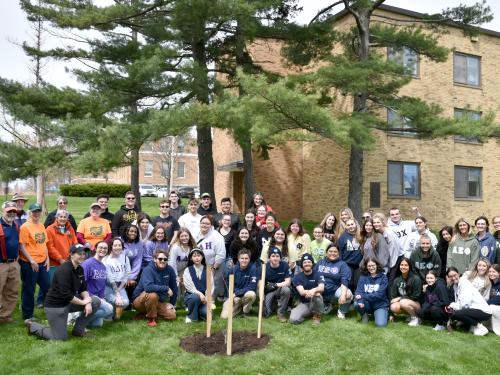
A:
310,286
436,298
405,293
371,292
277,288
157,284
195,282
68,293
469,307
245,286
337,275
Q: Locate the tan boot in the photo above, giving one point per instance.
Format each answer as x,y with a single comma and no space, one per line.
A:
316,319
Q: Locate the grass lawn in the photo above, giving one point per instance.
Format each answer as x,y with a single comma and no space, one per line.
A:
130,347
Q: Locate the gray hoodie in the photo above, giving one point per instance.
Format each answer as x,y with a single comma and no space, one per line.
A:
462,253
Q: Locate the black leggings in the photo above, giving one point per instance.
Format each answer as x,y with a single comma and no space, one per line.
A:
434,314
470,316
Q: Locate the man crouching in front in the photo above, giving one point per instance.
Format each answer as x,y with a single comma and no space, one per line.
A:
156,285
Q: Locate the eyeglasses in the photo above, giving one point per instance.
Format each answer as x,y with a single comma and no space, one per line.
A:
130,198
162,259
62,202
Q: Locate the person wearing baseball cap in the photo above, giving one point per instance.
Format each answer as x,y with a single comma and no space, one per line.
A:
68,293
206,207
93,229
20,201
34,259
9,267
310,286
277,285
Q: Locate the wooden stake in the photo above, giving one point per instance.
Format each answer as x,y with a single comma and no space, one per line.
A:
230,315
261,300
208,295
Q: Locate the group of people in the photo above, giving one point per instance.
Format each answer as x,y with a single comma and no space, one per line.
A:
94,270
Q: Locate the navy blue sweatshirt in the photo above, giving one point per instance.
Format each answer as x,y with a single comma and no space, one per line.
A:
335,273
436,295
350,250
373,289
154,280
244,279
495,293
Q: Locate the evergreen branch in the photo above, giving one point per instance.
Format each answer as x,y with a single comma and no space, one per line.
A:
325,10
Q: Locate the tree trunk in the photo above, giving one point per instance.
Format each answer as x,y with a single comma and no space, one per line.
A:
204,133
355,198
40,191
134,176
248,180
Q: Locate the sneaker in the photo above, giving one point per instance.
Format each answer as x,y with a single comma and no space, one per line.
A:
27,323
82,334
480,330
187,320
340,315
365,318
414,322
39,306
213,306
316,319
282,318
328,309
151,323
439,327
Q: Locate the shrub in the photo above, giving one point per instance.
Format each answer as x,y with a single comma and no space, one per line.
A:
93,190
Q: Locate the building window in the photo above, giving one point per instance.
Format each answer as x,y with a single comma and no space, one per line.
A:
148,168
468,182
472,116
466,69
181,145
406,57
398,124
147,147
165,169
180,169
403,179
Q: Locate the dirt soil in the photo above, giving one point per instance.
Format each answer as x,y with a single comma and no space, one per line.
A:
243,342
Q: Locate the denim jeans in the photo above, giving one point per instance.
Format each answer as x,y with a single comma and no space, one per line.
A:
41,295
110,296
29,279
344,308
196,309
105,311
381,315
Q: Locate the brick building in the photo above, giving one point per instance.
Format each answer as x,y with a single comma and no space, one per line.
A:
155,161
446,178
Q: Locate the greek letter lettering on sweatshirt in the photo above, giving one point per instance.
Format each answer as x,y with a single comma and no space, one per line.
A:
350,250
159,281
487,247
95,277
335,273
373,289
423,262
462,252
117,268
402,230
245,280
213,247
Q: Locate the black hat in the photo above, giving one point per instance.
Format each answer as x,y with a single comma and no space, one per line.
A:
78,248
275,250
307,256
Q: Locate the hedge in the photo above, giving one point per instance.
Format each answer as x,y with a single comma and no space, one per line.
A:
93,190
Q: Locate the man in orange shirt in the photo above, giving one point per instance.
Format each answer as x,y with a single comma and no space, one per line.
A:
93,229
34,259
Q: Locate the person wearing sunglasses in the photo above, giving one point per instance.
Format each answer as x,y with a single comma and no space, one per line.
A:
156,293
125,215
167,221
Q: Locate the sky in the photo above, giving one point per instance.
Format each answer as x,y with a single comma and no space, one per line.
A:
14,29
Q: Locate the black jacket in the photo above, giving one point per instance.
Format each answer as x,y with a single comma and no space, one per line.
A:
51,217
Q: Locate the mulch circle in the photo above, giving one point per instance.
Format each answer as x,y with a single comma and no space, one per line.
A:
243,342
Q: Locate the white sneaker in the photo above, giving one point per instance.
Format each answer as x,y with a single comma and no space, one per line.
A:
480,330
439,327
188,320
414,322
340,315
364,319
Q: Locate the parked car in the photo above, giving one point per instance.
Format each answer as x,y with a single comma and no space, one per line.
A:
162,193
147,190
186,192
